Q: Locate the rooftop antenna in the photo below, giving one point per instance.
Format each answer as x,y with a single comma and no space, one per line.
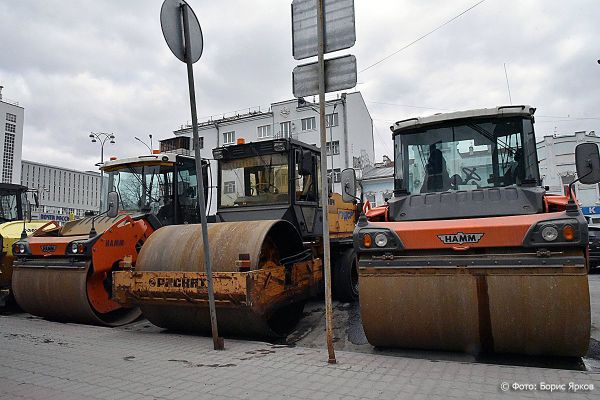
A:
507,84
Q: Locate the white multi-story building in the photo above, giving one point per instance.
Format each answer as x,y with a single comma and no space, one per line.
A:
349,130
11,139
62,192
556,155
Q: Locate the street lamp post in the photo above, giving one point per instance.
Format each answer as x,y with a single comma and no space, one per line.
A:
144,143
102,138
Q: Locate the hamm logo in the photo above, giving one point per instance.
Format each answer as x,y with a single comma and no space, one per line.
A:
460,238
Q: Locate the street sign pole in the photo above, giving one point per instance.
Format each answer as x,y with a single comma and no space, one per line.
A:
217,341
324,186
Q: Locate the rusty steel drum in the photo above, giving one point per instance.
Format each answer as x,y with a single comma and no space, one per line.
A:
527,309
60,293
180,248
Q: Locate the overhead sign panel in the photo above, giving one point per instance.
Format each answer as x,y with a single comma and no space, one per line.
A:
339,31
340,74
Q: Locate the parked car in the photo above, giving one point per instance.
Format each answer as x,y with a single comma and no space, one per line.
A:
594,245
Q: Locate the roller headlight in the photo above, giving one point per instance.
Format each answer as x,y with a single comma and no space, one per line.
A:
549,233
381,240
76,248
18,248
367,241
376,239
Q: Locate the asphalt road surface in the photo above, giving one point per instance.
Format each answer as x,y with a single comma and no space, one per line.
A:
349,336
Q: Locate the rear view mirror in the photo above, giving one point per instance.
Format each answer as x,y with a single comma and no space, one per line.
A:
113,204
348,179
587,161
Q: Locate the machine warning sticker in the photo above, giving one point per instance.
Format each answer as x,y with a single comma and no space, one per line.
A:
460,238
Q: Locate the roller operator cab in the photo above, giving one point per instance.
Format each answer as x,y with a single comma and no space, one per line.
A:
65,272
163,185
471,253
275,179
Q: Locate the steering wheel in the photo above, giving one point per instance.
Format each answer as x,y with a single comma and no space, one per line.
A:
267,186
470,174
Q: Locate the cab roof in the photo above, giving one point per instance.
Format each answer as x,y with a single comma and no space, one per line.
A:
169,158
500,111
263,147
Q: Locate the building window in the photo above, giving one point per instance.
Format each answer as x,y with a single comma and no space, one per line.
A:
229,187
200,139
286,129
12,128
229,137
264,131
337,175
309,124
371,198
7,165
11,117
331,120
335,146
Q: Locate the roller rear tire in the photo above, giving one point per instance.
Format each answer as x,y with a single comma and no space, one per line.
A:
346,277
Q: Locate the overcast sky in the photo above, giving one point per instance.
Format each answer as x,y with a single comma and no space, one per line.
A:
91,65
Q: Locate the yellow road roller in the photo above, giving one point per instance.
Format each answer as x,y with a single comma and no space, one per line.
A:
15,222
265,247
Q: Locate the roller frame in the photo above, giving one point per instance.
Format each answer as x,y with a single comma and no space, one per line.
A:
254,295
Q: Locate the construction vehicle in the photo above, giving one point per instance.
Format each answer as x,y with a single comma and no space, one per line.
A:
471,254
15,223
265,247
64,272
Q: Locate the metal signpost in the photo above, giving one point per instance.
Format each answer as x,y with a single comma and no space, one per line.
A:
184,37
319,27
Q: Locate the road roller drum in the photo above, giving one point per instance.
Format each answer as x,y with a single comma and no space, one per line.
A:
261,277
63,274
62,293
520,310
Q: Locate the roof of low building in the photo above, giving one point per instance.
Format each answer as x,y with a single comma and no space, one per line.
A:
378,172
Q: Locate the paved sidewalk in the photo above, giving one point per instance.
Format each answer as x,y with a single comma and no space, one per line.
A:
46,360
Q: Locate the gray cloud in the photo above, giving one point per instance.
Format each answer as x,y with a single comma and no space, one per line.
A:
104,66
